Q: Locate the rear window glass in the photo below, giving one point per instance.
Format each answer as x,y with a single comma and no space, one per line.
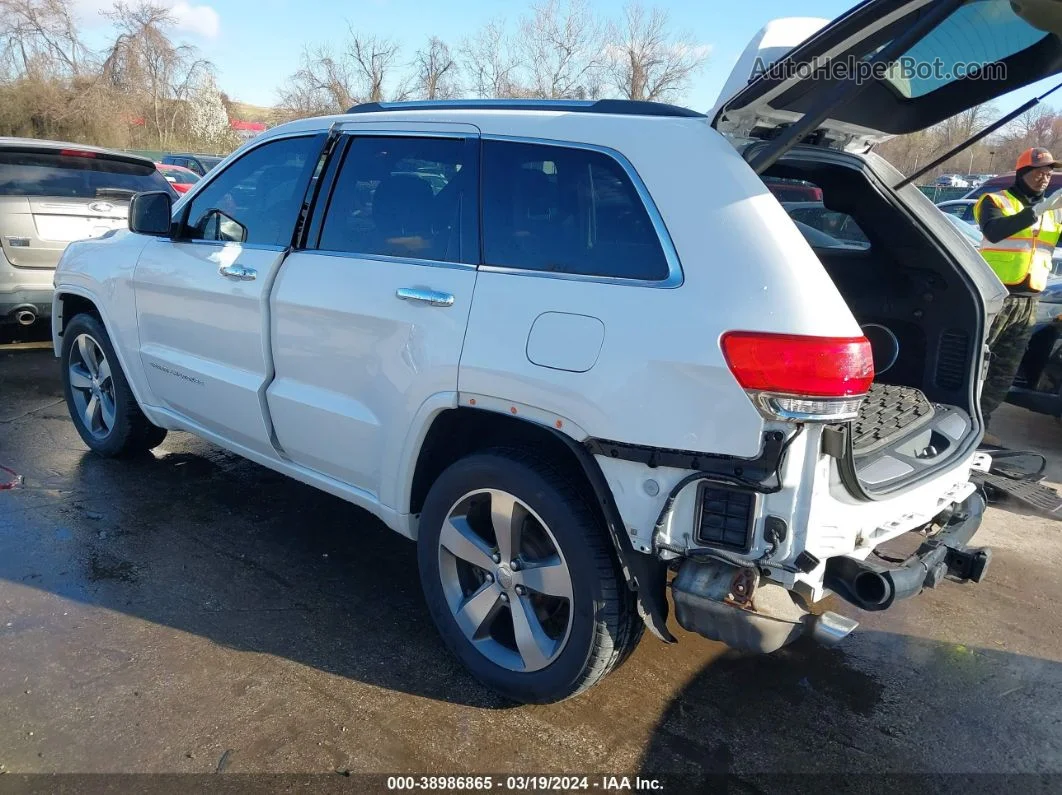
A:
54,174
960,46
566,210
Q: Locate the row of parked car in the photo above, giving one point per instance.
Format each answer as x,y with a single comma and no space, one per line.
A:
962,180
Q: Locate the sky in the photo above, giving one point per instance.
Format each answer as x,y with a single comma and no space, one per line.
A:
256,44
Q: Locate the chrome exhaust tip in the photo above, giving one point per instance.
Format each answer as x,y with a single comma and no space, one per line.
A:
25,317
829,629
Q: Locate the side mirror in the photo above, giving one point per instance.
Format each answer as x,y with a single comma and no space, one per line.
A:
150,213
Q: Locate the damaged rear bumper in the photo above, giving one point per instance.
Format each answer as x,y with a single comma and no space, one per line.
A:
731,604
872,587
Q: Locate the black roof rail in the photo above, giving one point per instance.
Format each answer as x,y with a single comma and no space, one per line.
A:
622,107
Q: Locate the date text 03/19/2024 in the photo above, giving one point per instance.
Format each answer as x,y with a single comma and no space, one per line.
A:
525,783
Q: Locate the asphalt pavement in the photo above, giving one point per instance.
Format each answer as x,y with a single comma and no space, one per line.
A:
192,612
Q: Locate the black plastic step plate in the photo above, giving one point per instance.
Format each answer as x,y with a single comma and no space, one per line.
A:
1036,496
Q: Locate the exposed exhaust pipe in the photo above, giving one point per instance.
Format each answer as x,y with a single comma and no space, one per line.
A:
859,583
25,317
829,629
876,588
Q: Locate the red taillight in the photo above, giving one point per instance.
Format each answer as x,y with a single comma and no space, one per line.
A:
830,367
76,153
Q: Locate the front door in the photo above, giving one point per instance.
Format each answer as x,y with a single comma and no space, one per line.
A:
369,319
202,298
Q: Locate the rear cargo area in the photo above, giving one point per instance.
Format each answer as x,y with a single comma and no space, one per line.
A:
912,299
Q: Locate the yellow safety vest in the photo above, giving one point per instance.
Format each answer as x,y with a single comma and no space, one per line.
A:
1025,255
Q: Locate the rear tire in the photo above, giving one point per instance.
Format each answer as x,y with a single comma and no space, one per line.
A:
551,626
101,404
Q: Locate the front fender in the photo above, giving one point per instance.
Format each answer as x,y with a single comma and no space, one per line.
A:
101,271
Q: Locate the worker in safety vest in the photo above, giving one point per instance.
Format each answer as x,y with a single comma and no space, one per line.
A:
1019,228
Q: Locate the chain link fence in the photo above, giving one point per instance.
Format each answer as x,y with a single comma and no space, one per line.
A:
938,193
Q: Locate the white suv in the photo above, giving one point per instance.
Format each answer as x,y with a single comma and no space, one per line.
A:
572,347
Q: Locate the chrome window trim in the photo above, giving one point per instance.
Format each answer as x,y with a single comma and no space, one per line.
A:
223,243
675,276
430,263
396,129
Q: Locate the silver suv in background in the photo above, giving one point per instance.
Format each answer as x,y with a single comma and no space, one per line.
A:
52,193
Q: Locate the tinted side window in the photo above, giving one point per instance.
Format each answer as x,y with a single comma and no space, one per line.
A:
403,197
565,210
258,196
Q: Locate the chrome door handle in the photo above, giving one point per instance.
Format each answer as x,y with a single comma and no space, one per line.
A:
431,297
238,272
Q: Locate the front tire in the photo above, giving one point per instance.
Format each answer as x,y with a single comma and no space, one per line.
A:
521,579
101,404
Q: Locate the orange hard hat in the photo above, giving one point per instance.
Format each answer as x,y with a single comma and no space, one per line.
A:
1037,157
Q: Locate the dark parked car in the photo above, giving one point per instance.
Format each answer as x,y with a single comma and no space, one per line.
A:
200,164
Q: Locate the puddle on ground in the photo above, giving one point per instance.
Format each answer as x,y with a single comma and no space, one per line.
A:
101,569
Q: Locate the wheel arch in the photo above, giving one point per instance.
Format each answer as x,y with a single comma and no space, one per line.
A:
67,303
459,432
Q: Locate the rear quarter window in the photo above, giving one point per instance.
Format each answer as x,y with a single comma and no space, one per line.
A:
566,210
74,176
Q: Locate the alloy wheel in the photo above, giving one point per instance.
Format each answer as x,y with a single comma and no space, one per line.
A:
92,386
506,581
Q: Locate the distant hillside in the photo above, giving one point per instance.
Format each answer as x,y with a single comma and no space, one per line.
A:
244,111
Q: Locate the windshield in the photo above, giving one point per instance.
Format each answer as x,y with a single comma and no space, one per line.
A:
75,176
209,162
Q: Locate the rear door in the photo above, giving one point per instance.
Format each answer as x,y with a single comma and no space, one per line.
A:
202,299
368,320
51,197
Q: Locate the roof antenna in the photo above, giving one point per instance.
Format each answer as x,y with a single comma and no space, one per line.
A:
991,128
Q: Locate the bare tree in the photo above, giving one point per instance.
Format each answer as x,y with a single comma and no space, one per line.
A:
322,84
373,59
145,61
40,38
490,63
645,61
562,50
435,71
